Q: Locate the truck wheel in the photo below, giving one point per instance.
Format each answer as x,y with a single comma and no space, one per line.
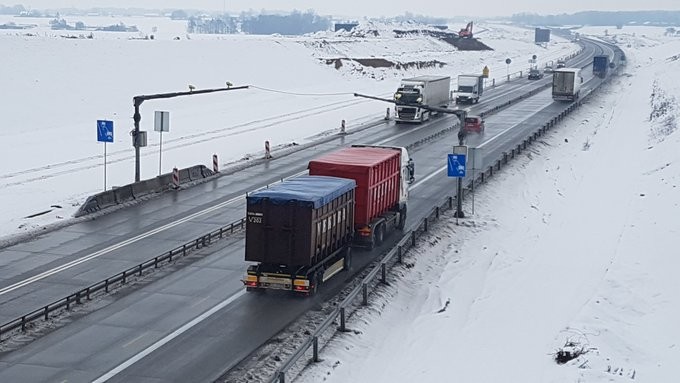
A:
402,219
347,264
318,277
380,235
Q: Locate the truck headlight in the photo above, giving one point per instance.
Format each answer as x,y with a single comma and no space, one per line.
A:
397,96
419,100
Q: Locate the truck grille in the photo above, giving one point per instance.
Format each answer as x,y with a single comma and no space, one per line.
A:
407,113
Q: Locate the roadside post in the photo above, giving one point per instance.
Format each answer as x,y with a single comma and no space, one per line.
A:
507,66
105,135
476,157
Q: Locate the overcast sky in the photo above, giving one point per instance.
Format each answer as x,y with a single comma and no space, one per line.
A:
358,8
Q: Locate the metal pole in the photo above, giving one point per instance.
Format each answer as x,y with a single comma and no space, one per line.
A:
104,166
459,191
135,135
459,200
160,153
473,186
473,182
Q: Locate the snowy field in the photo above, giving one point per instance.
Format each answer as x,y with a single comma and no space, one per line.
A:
573,245
57,87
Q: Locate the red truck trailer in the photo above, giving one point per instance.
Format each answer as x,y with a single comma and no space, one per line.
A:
382,175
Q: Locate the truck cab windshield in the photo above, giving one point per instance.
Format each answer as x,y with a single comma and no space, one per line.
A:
407,95
465,89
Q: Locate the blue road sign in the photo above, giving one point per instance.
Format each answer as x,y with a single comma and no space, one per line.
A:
456,165
104,131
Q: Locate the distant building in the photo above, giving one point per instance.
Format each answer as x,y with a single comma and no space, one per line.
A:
346,26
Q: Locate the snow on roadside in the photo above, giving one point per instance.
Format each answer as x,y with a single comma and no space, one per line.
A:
575,244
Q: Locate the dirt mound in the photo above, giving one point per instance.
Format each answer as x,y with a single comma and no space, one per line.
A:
383,63
449,37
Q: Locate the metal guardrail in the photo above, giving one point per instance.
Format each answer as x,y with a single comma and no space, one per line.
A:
408,241
120,279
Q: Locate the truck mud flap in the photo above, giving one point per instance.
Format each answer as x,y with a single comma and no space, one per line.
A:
333,269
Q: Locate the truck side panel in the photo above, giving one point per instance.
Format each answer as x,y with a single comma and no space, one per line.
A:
376,172
290,231
438,92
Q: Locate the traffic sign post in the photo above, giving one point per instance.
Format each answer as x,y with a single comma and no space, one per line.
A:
476,155
507,65
105,135
161,124
456,168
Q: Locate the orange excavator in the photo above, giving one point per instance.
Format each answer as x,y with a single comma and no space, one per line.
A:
466,33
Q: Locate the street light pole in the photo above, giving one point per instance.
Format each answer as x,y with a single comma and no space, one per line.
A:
137,117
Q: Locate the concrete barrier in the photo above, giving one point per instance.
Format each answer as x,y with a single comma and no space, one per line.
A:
207,172
195,173
164,181
140,189
106,199
123,194
184,176
89,206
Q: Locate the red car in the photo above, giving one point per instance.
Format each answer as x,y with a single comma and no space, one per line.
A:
474,124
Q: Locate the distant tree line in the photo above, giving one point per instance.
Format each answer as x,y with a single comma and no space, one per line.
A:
601,18
218,26
13,10
296,23
422,19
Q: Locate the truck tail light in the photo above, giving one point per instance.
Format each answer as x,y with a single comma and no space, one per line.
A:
365,231
251,281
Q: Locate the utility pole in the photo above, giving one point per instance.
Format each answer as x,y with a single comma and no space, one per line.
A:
462,134
137,135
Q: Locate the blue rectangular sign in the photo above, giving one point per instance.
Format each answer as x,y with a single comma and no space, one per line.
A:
456,165
104,131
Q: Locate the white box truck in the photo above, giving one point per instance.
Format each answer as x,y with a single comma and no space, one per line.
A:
566,85
470,88
422,90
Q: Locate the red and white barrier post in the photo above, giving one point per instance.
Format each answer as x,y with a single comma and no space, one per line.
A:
267,151
175,178
216,168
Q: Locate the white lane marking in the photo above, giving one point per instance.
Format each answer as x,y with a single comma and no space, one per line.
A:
123,366
383,142
512,127
429,176
99,253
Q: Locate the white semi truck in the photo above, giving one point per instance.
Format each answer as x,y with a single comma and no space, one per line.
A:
470,88
422,90
566,85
